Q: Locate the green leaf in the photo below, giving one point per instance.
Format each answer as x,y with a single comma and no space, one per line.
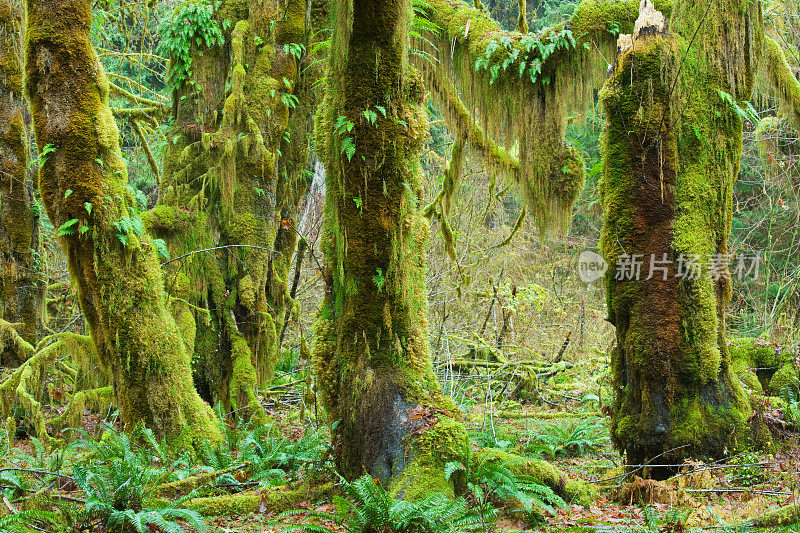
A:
348,148
597,168
46,151
88,207
67,227
161,247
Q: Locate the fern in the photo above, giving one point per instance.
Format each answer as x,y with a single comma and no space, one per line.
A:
371,508
792,410
494,480
578,439
24,521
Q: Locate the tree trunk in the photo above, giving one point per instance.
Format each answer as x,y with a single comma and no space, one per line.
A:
83,182
234,178
21,289
372,355
672,146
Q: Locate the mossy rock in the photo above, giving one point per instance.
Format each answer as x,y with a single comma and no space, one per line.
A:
758,352
746,375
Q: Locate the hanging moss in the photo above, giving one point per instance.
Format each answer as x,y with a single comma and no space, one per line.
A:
114,263
522,87
779,75
24,388
21,287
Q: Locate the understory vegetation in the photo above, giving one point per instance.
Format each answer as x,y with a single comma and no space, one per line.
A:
361,298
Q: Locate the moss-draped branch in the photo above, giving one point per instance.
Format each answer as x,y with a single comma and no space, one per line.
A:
521,88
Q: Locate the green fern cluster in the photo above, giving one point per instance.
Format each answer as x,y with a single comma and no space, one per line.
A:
273,458
575,439
792,410
26,521
493,482
119,476
370,508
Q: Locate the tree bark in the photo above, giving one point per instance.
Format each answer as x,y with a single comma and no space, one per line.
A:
235,176
372,355
672,146
83,182
21,288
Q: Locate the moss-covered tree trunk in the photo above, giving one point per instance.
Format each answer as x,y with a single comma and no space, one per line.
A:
21,289
372,354
672,146
83,183
234,178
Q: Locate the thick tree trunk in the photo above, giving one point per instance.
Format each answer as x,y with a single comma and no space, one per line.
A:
372,354
83,182
234,177
21,289
672,146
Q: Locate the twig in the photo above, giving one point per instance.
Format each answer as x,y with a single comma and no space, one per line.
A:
216,248
641,467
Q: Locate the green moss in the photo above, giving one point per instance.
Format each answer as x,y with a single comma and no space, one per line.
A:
524,95
120,284
780,77
667,191
571,489
787,376
274,499
779,517
21,285
230,167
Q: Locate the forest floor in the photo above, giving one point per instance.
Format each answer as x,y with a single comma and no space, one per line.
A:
704,497
564,426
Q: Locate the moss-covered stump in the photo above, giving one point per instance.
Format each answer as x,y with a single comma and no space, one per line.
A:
273,499
672,146
83,183
21,288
